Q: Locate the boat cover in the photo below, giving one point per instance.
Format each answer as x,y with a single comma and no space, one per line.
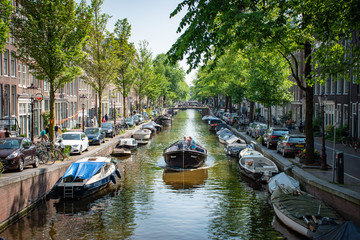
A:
346,231
302,205
83,170
286,182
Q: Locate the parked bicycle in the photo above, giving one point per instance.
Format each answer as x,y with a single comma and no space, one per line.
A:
347,139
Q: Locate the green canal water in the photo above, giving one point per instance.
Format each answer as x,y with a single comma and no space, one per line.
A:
212,202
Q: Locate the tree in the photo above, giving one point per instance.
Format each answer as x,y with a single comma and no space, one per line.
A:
101,63
49,35
126,54
144,71
5,11
289,27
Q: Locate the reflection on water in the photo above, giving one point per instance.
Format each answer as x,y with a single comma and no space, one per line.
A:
152,203
186,178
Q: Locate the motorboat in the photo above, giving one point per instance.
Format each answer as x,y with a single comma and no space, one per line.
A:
257,167
86,176
206,118
287,183
177,155
128,143
157,126
234,149
164,120
224,137
121,152
304,213
149,126
142,136
234,139
249,151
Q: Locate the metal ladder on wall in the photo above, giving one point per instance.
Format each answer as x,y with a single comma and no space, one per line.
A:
68,191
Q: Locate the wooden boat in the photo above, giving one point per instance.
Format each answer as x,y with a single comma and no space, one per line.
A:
128,143
142,134
177,156
303,213
257,167
121,152
86,176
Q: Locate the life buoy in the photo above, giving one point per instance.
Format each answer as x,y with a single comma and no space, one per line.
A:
112,178
117,172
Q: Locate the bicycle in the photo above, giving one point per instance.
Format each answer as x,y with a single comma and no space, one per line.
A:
347,140
43,154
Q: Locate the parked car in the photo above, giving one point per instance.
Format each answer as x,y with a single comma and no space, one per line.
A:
95,135
291,144
78,141
129,122
272,136
259,130
18,152
109,129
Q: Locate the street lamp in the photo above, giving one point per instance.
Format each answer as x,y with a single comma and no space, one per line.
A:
114,97
32,111
322,100
83,97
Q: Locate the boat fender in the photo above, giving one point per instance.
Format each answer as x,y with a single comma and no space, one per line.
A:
112,178
118,173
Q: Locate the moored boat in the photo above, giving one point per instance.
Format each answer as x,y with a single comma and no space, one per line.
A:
257,167
86,176
178,156
141,135
128,143
304,213
149,126
121,152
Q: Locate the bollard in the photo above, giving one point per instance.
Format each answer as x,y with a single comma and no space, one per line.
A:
355,146
340,167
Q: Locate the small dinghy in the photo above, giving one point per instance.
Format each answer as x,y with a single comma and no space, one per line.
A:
121,152
128,143
87,176
234,149
256,166
178,156
142,136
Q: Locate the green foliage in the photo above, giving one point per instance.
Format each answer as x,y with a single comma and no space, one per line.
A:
22,135
5,11
101,63
260,139
46,119
1,168
49,36
67,150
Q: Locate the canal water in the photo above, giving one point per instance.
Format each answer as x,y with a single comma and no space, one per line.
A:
212,202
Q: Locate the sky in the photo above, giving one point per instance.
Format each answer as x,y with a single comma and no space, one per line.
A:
150,20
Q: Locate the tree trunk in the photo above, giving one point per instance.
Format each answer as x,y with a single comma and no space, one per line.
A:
251,113
100,108
226,103
124,102
52,113
309,99
269,117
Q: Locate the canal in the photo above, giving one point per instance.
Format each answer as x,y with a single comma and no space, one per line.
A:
212,202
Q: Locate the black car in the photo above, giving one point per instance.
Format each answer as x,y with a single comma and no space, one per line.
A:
17,152
109,129
272,136
95,135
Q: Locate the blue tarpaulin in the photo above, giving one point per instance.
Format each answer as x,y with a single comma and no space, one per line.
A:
83,170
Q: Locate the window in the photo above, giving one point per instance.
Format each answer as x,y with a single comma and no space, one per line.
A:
12,65
332,84
6,63
346,86
345,114
46,86
19,73
338,86
24,75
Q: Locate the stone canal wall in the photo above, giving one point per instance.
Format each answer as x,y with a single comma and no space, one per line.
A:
21,192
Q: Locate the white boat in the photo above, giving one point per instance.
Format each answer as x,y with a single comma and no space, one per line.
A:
121,152
149,126
128,143
142,134
234,139
287,183
249,151
257,167
303,213
86,176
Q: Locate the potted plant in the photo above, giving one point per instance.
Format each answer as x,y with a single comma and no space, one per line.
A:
301,156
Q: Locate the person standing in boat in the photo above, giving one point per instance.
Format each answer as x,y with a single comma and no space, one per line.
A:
186,142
